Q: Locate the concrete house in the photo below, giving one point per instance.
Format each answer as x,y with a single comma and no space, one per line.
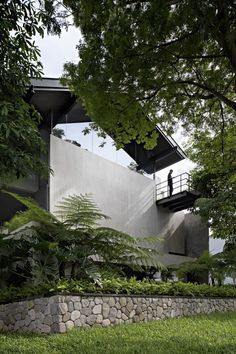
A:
136,204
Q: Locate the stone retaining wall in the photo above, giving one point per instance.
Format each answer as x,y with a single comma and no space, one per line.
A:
61,313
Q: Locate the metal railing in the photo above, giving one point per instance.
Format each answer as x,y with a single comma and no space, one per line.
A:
180,183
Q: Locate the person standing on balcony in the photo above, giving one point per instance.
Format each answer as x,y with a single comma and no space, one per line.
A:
170,182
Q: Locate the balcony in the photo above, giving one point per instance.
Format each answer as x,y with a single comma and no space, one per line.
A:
183,196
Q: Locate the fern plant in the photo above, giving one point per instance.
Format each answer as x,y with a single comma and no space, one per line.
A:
206,264
70,244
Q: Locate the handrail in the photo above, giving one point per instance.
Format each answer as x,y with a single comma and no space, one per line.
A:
180,183
184,173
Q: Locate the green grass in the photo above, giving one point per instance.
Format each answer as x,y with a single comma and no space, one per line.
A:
215,333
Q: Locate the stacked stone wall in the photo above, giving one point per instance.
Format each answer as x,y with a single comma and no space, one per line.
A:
58,314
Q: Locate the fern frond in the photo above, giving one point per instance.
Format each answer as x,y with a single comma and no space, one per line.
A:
34,212
119,247
79,212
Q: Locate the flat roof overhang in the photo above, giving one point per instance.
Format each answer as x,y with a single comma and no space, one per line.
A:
57,105
166,153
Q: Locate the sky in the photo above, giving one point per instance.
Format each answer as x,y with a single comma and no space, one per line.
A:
55,52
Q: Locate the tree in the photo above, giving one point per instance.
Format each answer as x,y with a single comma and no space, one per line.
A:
215,177
134,167
205,266
59,133
229,256
21,146
169,60
216,266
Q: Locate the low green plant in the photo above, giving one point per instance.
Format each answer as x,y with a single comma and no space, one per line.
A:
217,266
117,286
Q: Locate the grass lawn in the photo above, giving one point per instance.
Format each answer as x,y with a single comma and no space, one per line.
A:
215,333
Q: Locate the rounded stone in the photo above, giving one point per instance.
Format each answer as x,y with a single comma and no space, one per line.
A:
62,308
45,329
129,306
62,327
124,317
85,303
98,300
86,311
111,302
66,317
132,313
123,301
30,304
113,312
97,309
138,310
91,319
70,306
75,298
99,319
106,322
118,305
83,318
31,313
69,324
77,306
78,323
75,315
105,310
144,307
48,320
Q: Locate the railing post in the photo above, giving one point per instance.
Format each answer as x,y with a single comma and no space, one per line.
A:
181,183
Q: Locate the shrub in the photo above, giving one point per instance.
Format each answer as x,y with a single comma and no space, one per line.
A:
118,286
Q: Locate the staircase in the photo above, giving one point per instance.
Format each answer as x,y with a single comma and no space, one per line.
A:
183,196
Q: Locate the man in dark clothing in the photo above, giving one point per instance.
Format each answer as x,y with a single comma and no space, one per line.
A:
170,182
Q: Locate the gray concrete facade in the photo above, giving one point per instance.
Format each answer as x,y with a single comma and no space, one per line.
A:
127,197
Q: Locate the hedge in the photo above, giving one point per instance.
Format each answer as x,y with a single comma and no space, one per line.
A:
118,286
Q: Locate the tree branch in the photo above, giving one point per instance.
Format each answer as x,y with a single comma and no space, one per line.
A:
205,87
222,129
193,57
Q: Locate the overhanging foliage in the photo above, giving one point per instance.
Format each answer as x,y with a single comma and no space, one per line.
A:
171,60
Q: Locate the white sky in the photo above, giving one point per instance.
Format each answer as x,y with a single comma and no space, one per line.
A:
55,52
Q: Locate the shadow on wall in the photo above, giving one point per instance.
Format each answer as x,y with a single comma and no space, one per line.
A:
139,206
171,222
175,240
187,236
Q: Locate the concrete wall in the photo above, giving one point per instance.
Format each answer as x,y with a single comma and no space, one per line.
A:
28,185
42,195
197,240
126,196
